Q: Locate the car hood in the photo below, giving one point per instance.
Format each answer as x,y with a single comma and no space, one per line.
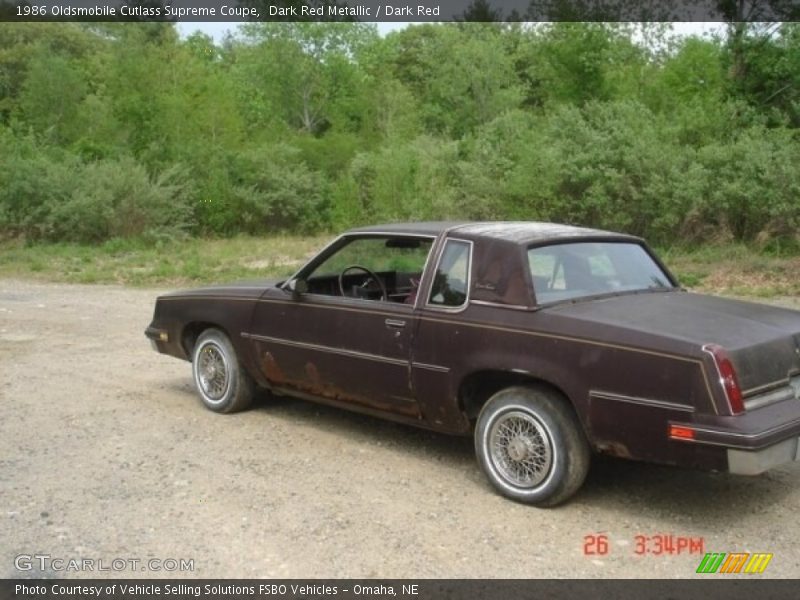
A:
762,341
249,289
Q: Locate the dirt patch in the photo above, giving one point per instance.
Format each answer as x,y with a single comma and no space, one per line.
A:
277,261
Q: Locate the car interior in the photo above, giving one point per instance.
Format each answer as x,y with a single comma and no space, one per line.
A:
373,268
582,269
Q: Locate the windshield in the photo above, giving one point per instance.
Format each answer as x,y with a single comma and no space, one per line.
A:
569,271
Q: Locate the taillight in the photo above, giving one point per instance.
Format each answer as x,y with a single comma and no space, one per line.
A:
727,377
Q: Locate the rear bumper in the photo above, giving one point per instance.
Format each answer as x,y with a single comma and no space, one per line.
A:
753,462
750,443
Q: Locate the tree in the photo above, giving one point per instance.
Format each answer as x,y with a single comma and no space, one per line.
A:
763,67
476,82
304,69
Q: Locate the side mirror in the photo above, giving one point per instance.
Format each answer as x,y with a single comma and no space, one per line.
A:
297,286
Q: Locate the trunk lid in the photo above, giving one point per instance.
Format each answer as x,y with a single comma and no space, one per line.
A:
762,341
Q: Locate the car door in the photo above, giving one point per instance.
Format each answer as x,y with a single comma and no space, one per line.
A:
344,350
441,341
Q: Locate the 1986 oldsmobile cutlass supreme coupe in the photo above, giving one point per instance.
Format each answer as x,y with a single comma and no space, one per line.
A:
546,342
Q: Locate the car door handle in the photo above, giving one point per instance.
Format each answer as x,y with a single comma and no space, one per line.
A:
395,323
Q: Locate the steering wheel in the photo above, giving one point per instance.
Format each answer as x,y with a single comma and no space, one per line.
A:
371,277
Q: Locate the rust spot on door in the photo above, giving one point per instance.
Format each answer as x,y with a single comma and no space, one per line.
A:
314,384
272,370
313,375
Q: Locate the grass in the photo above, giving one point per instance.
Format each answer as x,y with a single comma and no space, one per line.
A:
737,270
170,264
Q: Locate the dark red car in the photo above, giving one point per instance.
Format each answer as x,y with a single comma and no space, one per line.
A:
545,342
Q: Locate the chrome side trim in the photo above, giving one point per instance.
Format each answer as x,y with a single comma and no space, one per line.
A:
753,391
428,236
500,305
642,401
328,349
776,429
779,395
210,297
343,352
437,368
324,302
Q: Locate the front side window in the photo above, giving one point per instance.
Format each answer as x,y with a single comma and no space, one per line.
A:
451,280
372,268
576,270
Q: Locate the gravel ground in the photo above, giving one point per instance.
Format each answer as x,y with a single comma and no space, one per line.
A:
106,453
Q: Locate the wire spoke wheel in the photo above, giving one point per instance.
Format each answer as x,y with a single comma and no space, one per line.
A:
530,445
222,383
213,372
520,449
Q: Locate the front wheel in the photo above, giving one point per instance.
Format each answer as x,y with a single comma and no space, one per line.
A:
531,446
221,381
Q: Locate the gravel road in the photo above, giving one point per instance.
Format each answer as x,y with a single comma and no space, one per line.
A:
106,453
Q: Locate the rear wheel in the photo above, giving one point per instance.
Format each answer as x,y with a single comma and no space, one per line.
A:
221,381
531,446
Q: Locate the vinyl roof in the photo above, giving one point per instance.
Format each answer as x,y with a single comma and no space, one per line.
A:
512,231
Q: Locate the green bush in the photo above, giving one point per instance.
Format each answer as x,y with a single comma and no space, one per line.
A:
401,182
274,191
619,166
604,165
54,196
753,191
118,199
32,181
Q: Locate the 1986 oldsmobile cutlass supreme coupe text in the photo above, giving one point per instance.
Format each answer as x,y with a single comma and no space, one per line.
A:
546,342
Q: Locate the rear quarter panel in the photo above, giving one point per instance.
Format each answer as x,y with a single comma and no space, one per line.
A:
623,392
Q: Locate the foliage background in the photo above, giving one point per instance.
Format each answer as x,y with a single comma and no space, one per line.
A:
128,131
